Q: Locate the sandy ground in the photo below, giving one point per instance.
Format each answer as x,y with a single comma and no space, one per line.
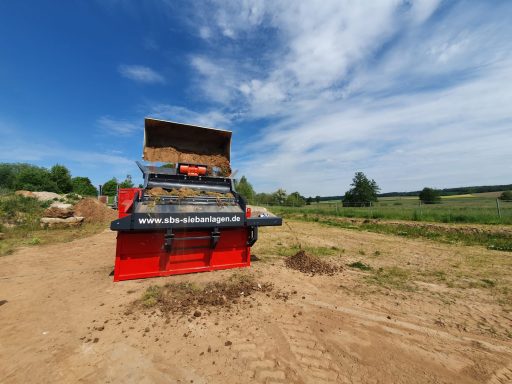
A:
63,320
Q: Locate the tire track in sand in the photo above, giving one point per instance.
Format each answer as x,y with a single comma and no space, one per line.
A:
315,362
502,376
261,365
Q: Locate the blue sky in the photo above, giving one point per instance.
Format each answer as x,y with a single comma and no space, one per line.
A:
413,93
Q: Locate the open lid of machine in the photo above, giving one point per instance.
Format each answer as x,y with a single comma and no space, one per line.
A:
171,142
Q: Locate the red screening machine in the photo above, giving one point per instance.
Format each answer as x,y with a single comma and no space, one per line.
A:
188,216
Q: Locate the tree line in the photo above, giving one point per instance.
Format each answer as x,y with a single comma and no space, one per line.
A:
21,176
28,177
279,197
363,191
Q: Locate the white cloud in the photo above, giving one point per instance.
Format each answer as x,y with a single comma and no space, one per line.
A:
219,80
412,92
118,127
141,74
232,18
454,137
383,87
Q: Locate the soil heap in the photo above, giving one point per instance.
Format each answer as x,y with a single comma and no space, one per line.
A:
184,192
184,298
94,211
171,154
310,264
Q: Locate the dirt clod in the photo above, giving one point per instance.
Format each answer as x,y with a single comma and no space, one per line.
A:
305,263
228,343
184,297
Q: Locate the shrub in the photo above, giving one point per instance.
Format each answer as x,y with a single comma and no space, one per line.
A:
83,186
245,189
62,178
430,196
506,195
110,187
126,183
20,210
36,179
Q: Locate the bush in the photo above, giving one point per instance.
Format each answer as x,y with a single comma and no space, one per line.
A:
294,199
83,186
61,176
7,176
16,209
126,183
110,187
506,195
245,189
430,196
36,179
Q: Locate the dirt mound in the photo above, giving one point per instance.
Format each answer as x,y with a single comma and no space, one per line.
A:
94,211
171,154
184,193
310,264
185,298
157,191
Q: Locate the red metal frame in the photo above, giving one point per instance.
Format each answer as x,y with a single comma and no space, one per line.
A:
125,200
141,254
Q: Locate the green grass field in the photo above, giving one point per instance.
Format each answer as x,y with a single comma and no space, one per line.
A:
477,208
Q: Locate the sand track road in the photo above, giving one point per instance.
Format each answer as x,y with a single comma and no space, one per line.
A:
63,320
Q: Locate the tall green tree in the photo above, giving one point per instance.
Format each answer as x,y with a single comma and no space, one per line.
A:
62,177
295,199
35,179
263,198
110,187
279,196
244,188
127,182
363,192
83,186
7,176
430,196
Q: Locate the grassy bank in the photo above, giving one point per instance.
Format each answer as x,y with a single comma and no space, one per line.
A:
19,225
468,209
29,237
492,239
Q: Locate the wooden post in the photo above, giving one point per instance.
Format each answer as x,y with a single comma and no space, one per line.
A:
336,208
498,207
